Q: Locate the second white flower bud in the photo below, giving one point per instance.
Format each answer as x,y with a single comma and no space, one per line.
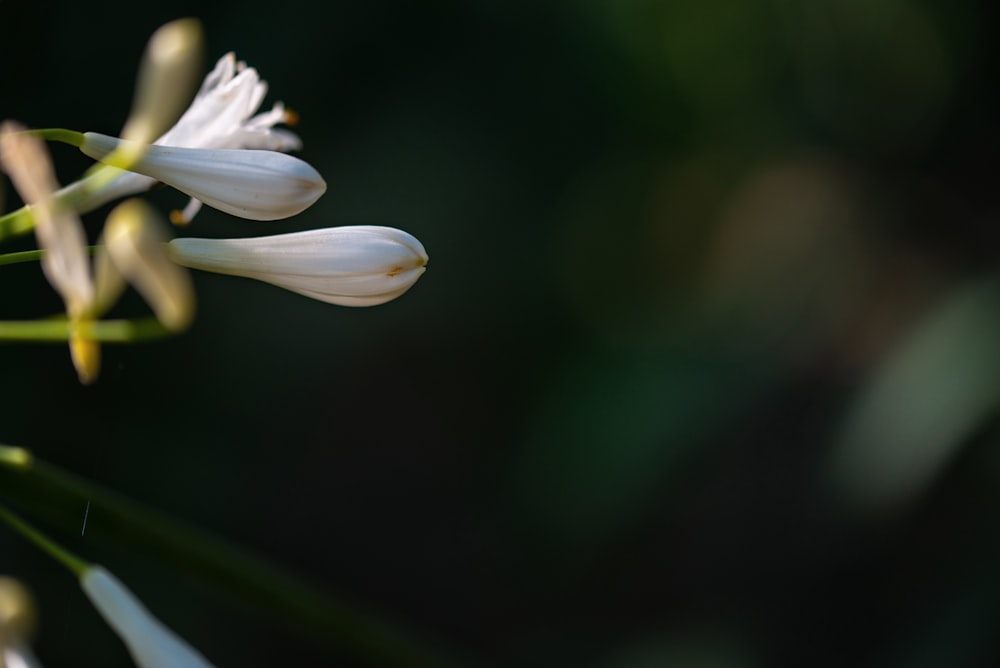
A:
359,265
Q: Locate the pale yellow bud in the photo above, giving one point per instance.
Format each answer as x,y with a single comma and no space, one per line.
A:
134,248
18,615
167,76
86,355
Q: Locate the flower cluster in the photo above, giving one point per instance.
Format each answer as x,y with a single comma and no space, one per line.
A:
221,152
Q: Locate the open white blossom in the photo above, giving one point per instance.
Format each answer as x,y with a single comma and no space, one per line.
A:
149,641
221,116
254,184
359,265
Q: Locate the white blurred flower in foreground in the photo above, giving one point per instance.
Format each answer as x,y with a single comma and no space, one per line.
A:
151,644
221,116
361,265
254,184
59,230
135,251
60,234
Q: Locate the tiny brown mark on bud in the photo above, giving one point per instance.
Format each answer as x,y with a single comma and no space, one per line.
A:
178,218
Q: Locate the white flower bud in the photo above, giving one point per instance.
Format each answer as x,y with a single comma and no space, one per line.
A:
151,644
361,265
254,184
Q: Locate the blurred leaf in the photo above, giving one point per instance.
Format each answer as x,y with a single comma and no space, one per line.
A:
56,495
933,391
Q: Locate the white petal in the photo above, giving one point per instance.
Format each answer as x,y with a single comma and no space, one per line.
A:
16,654
259,185
221,74
59,231
359,265
151,644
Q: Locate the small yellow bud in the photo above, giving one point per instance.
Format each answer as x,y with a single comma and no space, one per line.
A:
86,355
18,615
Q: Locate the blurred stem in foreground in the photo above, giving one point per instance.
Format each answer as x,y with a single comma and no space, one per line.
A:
59,496
60,329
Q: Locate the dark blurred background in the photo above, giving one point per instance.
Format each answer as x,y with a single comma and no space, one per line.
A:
704,370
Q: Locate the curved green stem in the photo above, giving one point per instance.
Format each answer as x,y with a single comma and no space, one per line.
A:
63,135
16,223
60,329
46,544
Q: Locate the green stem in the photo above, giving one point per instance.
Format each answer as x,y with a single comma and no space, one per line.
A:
60,134
60,329
16,223
23,256
300,604
56,551
30,256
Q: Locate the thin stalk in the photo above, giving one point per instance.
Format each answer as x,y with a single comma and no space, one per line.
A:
71,137
36,255
46,544
16,223
22,256
59,329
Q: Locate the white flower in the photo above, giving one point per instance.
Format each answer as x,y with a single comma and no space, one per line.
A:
220,117
151,644
360,265
254,184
